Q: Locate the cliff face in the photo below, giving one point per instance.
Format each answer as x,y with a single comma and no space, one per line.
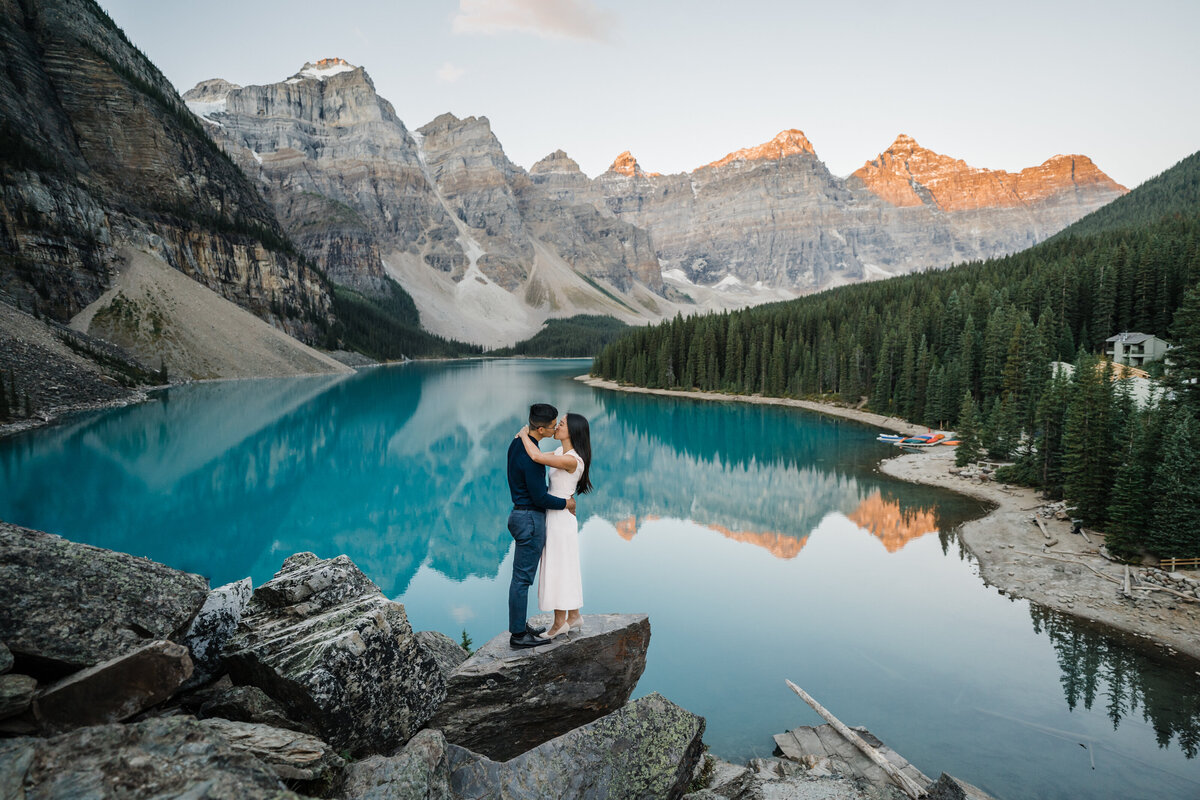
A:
774,214
440,209
100,154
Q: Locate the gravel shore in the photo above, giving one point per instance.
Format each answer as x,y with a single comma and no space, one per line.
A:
1070,576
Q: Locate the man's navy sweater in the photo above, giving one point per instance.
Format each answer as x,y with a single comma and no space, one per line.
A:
527,480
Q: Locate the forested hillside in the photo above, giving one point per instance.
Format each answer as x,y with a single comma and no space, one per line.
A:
971,348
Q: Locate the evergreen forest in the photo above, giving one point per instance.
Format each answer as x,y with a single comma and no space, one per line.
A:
973,349
580,336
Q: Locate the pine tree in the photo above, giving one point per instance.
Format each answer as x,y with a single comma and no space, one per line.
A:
1128,516
1087,443
969,448
1185,355
1174,531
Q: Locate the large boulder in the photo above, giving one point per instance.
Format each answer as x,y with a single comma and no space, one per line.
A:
6,659
170,757
69,606
322,640
501,702
295,757
647,749
115,689
421,771
213,626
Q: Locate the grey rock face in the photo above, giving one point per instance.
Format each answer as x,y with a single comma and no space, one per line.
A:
501,702
647,749
445,651
6,659
70,606
174,757
291,755
122,161
115,689
16,693
322,640
216,621
947,787
421,771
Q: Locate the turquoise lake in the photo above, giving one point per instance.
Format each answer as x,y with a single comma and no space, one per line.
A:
763,543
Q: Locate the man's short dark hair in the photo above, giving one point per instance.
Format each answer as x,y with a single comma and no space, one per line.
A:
541,414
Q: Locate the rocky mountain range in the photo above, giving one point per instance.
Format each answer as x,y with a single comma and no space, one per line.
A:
486,249
270,196
489,250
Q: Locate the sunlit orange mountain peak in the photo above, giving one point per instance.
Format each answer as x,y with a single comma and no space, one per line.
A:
626,164
893,526
787,143
907,174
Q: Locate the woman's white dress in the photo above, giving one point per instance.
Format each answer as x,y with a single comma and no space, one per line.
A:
559,583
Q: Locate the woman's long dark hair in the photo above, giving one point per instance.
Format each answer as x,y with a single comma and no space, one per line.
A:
581,440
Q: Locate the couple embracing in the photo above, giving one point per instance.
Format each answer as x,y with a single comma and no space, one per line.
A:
543,522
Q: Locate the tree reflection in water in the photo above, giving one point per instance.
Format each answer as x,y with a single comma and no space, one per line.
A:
1097,666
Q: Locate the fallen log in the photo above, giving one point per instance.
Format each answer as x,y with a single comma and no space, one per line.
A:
910,787
1041,525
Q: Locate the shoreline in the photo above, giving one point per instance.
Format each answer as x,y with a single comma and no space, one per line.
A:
1007,544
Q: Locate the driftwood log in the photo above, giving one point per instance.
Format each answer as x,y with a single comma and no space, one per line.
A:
910,787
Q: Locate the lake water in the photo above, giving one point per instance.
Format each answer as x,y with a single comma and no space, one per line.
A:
763,543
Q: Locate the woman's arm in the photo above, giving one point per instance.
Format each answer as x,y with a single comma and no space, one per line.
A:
562,460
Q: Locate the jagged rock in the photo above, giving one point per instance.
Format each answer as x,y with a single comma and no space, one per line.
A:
116,689
420,771
6,659
647,749
174,757
947,787
501,702
728,779
321,639
248,704
291,755
214,624
68,606
16,693
445,651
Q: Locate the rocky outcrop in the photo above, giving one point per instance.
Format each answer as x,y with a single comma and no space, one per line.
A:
322,640
446,652
6,658
214,624
101,153
173,757
114,690
420,771
68,606
647,749
501,701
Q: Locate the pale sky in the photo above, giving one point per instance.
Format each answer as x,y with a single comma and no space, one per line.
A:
1003,85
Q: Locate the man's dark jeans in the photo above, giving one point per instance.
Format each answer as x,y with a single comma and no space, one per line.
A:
528,529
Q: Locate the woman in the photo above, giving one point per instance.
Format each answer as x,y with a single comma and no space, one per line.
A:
560,588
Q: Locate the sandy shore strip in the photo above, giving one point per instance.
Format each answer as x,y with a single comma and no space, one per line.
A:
1008,545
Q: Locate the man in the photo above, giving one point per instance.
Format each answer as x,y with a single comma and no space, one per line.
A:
527,522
